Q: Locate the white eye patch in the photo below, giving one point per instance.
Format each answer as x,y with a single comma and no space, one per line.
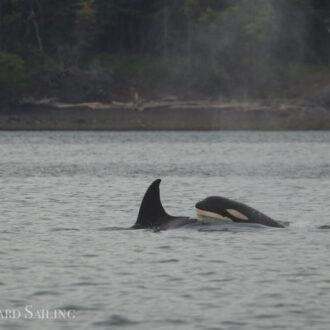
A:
212,215
237,214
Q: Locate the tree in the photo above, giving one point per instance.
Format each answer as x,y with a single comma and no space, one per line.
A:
13,76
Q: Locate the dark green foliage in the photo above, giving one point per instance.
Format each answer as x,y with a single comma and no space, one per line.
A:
228,48
12,75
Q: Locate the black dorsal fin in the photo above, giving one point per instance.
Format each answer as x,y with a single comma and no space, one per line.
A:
151,209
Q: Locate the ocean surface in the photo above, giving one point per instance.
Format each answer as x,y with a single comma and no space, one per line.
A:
68,259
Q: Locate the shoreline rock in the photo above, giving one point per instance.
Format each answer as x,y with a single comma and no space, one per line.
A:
49,114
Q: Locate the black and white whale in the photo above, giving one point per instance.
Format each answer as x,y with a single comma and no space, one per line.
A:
228,210
152,214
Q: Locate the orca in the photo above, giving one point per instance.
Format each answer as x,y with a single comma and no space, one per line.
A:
324,227
228,210
152,214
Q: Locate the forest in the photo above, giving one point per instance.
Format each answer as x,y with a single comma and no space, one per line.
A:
87,50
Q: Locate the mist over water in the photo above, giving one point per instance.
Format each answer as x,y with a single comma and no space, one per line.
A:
252,49
68,198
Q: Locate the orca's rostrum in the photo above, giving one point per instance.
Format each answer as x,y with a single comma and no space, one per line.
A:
228,210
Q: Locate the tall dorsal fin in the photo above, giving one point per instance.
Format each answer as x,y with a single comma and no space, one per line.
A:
151,208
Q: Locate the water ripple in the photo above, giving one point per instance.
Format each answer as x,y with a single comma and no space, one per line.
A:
64,229
69,198
46,292
116,321
78,308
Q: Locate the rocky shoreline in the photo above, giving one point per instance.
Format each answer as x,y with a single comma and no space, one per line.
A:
48,114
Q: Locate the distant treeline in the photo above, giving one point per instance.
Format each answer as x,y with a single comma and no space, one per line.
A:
218,47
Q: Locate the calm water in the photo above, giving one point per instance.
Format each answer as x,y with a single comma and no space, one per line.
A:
67,197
